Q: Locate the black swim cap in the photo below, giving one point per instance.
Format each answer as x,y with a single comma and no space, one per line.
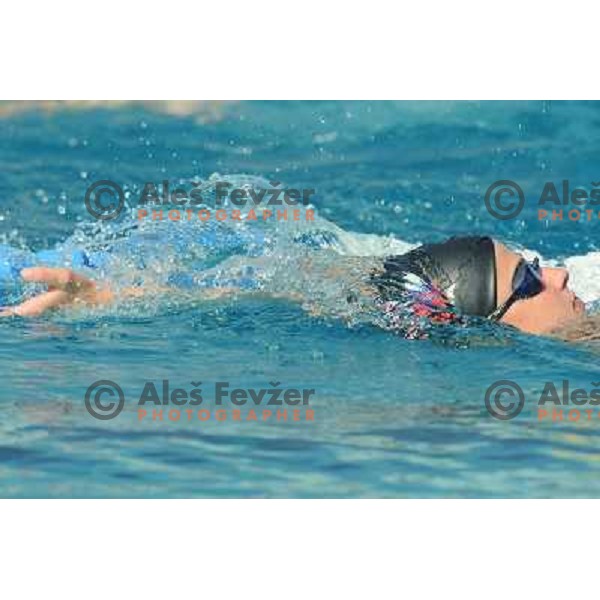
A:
464,268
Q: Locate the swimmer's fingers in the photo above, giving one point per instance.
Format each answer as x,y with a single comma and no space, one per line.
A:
38,305
65,288
61,279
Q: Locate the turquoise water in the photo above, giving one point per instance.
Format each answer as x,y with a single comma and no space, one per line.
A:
393,418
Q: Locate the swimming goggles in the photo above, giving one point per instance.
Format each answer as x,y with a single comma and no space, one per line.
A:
526,283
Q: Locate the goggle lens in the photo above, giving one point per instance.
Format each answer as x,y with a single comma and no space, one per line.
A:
527,280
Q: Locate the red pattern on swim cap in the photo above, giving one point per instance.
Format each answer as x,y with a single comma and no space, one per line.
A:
422,304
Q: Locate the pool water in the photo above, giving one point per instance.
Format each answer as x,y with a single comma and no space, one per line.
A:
392,417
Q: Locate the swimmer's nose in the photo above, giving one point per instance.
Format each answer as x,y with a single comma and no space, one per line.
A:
555,278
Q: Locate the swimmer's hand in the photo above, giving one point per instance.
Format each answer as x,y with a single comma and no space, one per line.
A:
65,288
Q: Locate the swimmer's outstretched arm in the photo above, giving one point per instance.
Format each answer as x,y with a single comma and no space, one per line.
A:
65,288
69,289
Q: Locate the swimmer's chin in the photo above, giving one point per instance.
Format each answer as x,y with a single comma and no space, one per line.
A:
583,327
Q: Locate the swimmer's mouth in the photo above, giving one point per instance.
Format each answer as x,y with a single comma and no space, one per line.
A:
578,304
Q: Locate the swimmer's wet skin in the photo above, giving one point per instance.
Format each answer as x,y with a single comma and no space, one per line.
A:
440,283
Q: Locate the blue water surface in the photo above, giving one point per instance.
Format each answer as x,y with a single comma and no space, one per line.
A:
393,417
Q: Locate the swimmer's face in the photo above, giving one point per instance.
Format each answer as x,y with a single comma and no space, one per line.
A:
554,307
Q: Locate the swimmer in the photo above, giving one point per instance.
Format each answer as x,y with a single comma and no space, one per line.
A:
439,283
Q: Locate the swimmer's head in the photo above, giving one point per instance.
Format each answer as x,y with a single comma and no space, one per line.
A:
554,306
465,269
481,277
